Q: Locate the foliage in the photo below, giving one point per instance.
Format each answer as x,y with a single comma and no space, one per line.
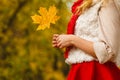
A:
26,54
45,18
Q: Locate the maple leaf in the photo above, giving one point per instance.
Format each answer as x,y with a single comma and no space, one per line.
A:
46,17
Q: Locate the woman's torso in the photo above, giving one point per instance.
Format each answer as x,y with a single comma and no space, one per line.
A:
87,28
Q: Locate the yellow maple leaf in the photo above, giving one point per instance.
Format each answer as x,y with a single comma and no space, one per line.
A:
46,17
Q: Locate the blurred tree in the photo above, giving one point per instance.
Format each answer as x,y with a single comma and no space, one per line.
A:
26,54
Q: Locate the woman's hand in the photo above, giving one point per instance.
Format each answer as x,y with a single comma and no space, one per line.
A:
54,40
62,41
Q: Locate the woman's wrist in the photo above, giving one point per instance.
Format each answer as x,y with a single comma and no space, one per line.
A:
72,40
76,41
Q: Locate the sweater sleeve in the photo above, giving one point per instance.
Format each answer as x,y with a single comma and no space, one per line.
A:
109,20
117,4
103,51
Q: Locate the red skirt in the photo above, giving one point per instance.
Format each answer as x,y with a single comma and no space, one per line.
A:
94,71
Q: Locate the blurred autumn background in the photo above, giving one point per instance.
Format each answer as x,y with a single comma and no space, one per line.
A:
27,54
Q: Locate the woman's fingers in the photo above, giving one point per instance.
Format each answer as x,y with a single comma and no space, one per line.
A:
55,36
59,41
54,42
54,45
58,44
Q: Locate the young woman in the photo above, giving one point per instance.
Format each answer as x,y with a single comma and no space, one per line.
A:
93,40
